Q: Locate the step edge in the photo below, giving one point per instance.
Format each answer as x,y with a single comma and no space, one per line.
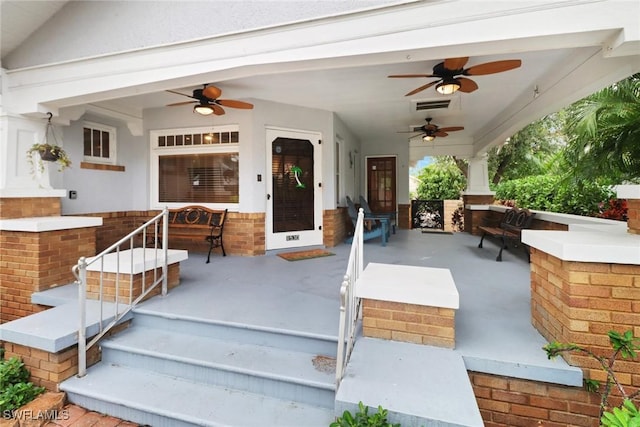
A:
281,331
230,368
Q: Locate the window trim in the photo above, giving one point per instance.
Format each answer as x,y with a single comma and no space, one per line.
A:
113,142
157,151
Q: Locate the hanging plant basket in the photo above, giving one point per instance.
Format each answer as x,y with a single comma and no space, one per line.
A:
49,154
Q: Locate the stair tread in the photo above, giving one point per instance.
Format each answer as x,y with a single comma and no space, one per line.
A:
191,402
260,360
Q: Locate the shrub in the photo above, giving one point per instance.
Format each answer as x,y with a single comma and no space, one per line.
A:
550,193
363,419
15,390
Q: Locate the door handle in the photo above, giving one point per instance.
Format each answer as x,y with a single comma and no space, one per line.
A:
268,196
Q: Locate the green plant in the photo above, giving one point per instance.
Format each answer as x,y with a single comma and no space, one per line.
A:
46,151
363,419
15,390
626,415
37,151
624,345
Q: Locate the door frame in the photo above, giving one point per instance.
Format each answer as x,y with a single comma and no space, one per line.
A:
293,239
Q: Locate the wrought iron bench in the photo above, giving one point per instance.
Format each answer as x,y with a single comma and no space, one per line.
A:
191,222
510,229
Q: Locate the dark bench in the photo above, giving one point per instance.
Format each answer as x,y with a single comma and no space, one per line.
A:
510,229
191,222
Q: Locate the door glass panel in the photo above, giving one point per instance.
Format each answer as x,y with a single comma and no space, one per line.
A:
292,174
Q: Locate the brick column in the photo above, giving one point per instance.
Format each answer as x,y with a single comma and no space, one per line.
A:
581,302
413,323
633,216
36,261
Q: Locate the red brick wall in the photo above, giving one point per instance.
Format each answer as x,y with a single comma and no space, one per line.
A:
508,402
32,262
580,302
334,229
25,207
633,215
409,323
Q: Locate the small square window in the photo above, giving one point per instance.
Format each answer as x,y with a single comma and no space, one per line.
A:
99,143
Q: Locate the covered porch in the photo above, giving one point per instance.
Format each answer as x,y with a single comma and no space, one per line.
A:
493,331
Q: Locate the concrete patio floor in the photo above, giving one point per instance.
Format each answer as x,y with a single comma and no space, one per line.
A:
493,328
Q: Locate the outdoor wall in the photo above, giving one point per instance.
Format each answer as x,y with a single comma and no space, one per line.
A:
24,207
508,402
101,190
335,227
574,302
37,261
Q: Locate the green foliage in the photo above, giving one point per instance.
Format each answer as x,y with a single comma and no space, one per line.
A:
441,180
529,151
624,345
551,193
363,419
604,133
15,390
625,416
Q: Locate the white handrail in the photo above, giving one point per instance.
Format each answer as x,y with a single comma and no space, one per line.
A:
349,304
80,272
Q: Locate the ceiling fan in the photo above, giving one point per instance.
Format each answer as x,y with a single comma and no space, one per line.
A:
431,131
448,71
208,102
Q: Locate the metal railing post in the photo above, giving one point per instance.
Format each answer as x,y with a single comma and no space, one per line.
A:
165,248
82,330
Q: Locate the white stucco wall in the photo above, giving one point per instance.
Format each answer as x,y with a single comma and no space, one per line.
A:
101,190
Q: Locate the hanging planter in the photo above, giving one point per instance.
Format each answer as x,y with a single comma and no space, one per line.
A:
47,151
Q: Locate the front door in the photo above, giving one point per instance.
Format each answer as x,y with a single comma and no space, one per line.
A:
294,196
381,184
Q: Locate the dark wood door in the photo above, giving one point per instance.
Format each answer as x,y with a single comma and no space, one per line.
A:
381,184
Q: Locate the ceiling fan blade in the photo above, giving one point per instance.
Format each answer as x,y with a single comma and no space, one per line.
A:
211,92
421,88
232,103
396,76
451,129
466,85
181,103
217,110
440,133
179,93
453,64
492,67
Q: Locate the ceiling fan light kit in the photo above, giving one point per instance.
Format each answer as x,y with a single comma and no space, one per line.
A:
207,102
428,138
448,86
450,74
204,110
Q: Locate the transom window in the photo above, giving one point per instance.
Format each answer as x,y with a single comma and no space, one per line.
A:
199,166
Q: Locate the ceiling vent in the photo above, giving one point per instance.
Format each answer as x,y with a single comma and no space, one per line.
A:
433,105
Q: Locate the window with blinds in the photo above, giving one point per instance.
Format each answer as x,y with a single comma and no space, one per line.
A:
198,178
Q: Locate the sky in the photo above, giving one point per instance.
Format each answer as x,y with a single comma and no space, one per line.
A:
420,165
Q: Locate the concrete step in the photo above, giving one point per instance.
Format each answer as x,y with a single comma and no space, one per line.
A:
286,374
164,401
434,389
238,332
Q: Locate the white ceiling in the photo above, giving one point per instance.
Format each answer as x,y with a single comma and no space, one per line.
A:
373,106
